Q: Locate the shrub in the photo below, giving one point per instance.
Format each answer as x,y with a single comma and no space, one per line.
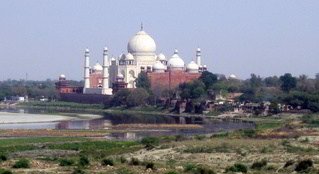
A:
200,137
180,138
250,133
171,172
4,171
203,170
78,171
84,161
150,165
3,157
237,168
107,161
124,171
66,162
259,164
189,167
22,163
304,165
123,160
135,162
289,163
150,142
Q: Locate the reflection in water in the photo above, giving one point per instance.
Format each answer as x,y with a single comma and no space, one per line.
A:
208,126
84,124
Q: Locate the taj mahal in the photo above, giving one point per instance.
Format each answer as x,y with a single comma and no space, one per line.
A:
141,56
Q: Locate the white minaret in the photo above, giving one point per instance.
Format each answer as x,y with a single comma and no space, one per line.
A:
106,90
198,59
86,70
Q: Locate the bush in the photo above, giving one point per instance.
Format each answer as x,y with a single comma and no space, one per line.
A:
259,164
4,171
304,165
124,171
123,160
3,157
189,167
78,171
135,162
84,161
107,161
203,170
289,163
150,165
171,172
66,162
22,163
237,168
150,142
200,137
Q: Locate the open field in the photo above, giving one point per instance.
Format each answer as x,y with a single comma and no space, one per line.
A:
279,145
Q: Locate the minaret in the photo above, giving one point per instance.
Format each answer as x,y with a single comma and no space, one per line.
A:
105,84
198,59
86,70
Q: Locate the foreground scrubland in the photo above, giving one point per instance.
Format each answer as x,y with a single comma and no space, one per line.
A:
280,144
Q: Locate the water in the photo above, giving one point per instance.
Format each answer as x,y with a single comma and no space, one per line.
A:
108,121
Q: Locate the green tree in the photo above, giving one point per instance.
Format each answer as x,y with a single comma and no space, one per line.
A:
192,90
137,97
317,82
120,97
143,81
208,78
288,82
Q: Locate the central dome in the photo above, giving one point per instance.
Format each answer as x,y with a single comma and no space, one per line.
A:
141,42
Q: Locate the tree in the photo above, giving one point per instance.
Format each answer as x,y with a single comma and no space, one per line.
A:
137,97
120,97
255,81
143,81
317,82
208,78
192,90
288,82
272,81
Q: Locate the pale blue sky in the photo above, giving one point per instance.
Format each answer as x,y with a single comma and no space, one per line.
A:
268,37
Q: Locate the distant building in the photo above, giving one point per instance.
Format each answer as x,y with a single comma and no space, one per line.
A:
122,72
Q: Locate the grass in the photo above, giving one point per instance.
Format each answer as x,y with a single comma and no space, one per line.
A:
34,140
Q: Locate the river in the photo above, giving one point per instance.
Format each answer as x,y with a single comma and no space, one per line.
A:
39,119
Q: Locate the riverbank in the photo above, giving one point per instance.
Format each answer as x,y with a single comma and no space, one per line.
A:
62,107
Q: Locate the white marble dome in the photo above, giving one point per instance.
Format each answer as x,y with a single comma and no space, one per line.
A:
175,61
141,42
192,66
97,67
62,76
159,66
161,56
129,56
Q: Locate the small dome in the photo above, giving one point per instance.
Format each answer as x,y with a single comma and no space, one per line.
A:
192,66
62,76
232,76
175,61
159,66
129,56
141,42
198,50
122,56
113,59
97,67
161,56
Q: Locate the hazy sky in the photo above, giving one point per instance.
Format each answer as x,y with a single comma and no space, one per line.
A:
267,37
